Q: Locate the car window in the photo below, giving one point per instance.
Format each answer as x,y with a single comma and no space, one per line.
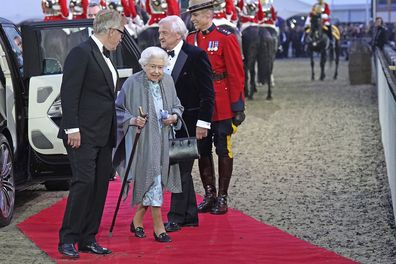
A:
56,44
15,40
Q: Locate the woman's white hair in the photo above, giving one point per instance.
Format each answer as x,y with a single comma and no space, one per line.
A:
106,19
177,25
153,52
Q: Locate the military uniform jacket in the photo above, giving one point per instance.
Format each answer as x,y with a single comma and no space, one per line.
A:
228,76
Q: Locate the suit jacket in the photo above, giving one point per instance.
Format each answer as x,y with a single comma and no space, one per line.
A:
192,75
87,95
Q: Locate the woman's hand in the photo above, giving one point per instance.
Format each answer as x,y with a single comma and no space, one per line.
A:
138,121
172,119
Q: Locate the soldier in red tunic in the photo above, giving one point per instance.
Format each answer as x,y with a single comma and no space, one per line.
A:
55,9
79,8
158,9
228,79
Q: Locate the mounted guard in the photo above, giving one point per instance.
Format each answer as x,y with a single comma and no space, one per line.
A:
55,10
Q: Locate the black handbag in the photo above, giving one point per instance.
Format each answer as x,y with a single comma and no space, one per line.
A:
182,149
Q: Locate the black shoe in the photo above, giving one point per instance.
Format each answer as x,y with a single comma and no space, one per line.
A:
94,248
163,237
139,231
68,250
207,204
220,206
172,227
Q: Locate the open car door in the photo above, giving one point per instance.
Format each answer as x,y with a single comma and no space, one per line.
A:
46,46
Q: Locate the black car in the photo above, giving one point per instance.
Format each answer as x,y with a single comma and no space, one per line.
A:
31,62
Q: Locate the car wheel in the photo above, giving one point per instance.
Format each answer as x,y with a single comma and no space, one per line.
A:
7,187
62,185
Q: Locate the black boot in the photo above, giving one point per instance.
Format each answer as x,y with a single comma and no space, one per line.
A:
225,172
206,171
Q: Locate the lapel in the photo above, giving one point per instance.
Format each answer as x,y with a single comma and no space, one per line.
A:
103,65
179,64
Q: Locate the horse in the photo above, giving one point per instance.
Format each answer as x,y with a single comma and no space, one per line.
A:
318,41
148,37
259,44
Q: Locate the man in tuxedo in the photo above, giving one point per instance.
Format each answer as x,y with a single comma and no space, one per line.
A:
88,131
192,73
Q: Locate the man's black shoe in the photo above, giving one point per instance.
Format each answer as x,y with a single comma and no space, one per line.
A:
68,250
172,227
94,248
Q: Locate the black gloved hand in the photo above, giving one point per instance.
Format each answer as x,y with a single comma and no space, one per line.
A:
238,118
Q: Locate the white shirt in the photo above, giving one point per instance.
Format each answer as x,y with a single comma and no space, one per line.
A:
172,60
169,69
111,68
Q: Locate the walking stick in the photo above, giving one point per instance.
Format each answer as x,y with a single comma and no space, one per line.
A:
124,181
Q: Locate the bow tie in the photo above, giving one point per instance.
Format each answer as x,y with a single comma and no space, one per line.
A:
106,52
171,53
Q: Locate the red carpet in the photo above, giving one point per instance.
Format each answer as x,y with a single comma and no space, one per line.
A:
230,238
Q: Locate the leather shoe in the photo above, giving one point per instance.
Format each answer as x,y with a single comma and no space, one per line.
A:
163,237
139,231
94,248
68,250
172,227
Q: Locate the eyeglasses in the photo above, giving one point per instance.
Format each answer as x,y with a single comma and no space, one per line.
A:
120,31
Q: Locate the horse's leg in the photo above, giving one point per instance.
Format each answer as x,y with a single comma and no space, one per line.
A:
269,95
337,58
322,64
312,65
252,70
245,69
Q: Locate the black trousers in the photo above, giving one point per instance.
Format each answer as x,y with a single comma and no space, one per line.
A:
91,168
183,207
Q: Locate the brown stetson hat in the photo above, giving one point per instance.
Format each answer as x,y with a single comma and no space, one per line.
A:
196,5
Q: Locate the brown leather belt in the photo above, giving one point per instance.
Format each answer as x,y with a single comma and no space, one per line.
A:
219,76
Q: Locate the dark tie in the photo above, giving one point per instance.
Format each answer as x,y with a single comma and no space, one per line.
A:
106,52
171,53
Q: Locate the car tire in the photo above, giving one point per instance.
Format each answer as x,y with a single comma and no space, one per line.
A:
7,183
62,185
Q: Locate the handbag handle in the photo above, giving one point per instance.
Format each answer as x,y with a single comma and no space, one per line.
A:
183,125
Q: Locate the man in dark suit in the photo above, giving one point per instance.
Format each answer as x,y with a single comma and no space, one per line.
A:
192,74
88,132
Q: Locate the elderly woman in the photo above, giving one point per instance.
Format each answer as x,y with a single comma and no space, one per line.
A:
150,171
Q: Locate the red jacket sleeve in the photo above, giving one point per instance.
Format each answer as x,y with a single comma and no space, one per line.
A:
125,6
64,8
273,14
327,9
132,8
148,9
260,13
85,4
173,7
235,73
